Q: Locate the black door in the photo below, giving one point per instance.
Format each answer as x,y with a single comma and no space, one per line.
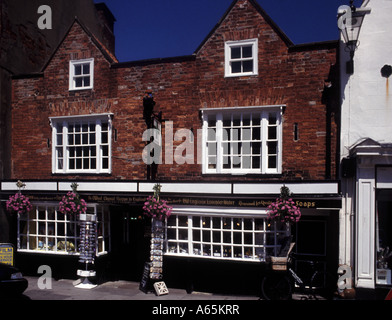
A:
129,244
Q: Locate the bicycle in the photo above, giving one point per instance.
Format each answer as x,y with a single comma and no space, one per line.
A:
280,285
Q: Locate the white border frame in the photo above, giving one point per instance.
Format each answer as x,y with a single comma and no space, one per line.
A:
72,64
255,53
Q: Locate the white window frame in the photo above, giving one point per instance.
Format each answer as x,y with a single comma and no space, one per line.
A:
264,111
73,76
64,148
229,61
45,216
210,241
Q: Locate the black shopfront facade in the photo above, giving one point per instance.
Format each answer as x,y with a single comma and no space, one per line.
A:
217,238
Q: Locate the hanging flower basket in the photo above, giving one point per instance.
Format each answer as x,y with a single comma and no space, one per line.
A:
284,208
18,203
71,203
156,208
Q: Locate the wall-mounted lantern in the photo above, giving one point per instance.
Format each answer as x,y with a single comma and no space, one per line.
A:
350,21
148,107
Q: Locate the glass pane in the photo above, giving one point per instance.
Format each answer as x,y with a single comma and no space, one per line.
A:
78,70
85,138
246,162
105,137
86,68
105,163
236,67
182,221
212,148
216,236
237,237
247,52
272,162
211,135
247,66
236,53
79,82
196,222
196,235
217,251
86,81
197,249
206,222
246,134
272,133
256,133
206,236
59,139
256,162
272,147
216,223
248,238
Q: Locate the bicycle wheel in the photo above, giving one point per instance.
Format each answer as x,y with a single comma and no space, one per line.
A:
323,285
276,287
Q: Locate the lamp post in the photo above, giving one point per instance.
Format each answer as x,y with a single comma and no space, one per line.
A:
350,21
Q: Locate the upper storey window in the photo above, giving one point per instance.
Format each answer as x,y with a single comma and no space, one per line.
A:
81,144
243,140
81,74
241,58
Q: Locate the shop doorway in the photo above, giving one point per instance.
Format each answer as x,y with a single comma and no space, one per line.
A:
128,242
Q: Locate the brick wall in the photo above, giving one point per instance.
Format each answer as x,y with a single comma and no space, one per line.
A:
294,77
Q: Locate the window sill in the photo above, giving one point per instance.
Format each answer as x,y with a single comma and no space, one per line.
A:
104,174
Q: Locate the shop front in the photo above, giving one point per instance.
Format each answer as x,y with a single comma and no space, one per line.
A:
217,231
368,204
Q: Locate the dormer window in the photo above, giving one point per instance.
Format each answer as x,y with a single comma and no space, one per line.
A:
81,74
241,58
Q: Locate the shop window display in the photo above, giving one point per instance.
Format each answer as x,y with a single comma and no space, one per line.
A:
222,237
47,230
384,237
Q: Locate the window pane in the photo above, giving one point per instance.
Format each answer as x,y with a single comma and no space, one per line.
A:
272,133
78,70
256,162
247,66
78,82
272,162
256,133
86,81
86,68
105,163
236,53
272,148
236,67
211,135
247,52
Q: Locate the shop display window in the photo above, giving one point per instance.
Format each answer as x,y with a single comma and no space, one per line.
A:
384,237
45,229
235,238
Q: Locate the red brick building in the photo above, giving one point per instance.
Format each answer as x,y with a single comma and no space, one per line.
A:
259,112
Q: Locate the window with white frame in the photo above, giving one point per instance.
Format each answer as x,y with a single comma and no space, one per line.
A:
44,229
242,140
222,237
241,58
81,74
81,144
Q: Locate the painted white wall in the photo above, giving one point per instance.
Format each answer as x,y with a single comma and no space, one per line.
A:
366,95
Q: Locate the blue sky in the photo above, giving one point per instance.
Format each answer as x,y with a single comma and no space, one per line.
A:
148,29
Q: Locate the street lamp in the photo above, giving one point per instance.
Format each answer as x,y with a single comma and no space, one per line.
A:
350,21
